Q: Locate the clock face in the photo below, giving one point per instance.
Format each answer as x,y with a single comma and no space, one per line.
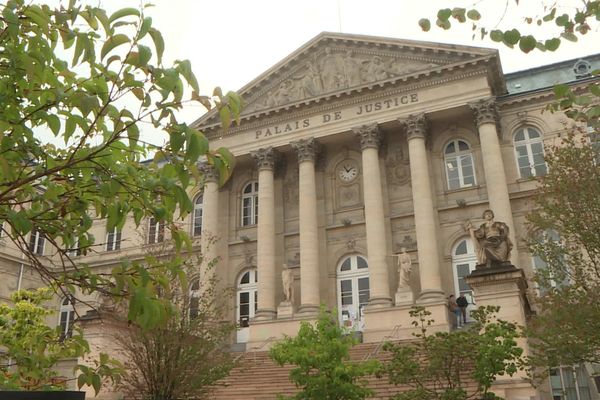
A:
348,171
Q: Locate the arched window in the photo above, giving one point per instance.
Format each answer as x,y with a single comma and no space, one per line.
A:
250,204
246,302
529,151
66,317
353,290
464,261
194,298
197,223
458,159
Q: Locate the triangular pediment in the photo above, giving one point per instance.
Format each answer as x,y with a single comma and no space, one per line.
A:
333,64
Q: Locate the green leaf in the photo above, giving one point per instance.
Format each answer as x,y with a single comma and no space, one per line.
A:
497,35
552,44
124,12
197,145
425,24
527,43
112,42
225,116
54,123
561,90
96,383
185,68
444,14
159,43
512,37
473,15
146,24
570,36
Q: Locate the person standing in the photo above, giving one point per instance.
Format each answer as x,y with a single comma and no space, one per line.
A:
462,304
454,311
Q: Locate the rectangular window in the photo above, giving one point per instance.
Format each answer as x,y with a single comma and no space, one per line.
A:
113,240
570,383
156,231
75,250
36,242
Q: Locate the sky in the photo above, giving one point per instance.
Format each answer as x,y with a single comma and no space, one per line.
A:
232,42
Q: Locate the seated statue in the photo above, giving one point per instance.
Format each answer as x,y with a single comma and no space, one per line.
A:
491,240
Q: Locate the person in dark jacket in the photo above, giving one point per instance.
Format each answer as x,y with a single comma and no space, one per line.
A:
462,304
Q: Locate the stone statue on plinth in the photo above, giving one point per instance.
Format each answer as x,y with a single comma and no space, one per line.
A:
287,278
492,242
286,307
404,294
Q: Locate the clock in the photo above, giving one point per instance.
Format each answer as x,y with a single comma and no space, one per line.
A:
348,171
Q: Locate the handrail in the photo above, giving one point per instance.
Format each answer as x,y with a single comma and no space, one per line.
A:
375,351
262,344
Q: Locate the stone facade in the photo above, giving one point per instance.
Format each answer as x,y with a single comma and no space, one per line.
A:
349,150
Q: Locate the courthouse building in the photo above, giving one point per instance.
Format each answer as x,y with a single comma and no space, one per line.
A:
354,149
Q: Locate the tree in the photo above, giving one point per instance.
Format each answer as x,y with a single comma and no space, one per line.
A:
567,328
443,365
182,358
323,367
95,105
560,22
32,348
565,331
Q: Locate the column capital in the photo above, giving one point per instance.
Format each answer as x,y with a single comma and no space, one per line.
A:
210,173
370,136
485,112
307,149
416,126
265,158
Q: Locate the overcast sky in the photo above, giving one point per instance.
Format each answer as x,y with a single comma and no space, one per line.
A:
232,42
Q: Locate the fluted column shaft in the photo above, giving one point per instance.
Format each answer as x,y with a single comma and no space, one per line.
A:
309,240
370,140
210,223
265,252
486,116
425,220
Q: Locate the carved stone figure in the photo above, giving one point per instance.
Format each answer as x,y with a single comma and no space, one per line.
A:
376,70
351,70
404,267
332,71
310,83
287,277
492,243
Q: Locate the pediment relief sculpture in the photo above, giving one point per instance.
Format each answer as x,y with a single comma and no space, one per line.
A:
334,70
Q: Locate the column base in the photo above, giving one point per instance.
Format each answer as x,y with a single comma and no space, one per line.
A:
264,314
430,295
308,310
379,302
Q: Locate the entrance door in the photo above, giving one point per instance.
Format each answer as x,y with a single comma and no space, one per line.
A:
246,303
353,291
463,263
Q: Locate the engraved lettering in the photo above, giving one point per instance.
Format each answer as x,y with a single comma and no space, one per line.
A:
414,98
326,118
337,115
360,110
258,134
306,123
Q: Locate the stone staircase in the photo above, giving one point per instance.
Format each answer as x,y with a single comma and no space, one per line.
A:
257,377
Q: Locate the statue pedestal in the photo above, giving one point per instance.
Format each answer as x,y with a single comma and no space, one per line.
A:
404,296
504,286
285,309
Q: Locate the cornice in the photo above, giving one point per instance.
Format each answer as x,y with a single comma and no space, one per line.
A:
347,98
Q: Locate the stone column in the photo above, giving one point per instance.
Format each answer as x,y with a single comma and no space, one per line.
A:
486,116
210,221
425,213
309,240
265,253
377,251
